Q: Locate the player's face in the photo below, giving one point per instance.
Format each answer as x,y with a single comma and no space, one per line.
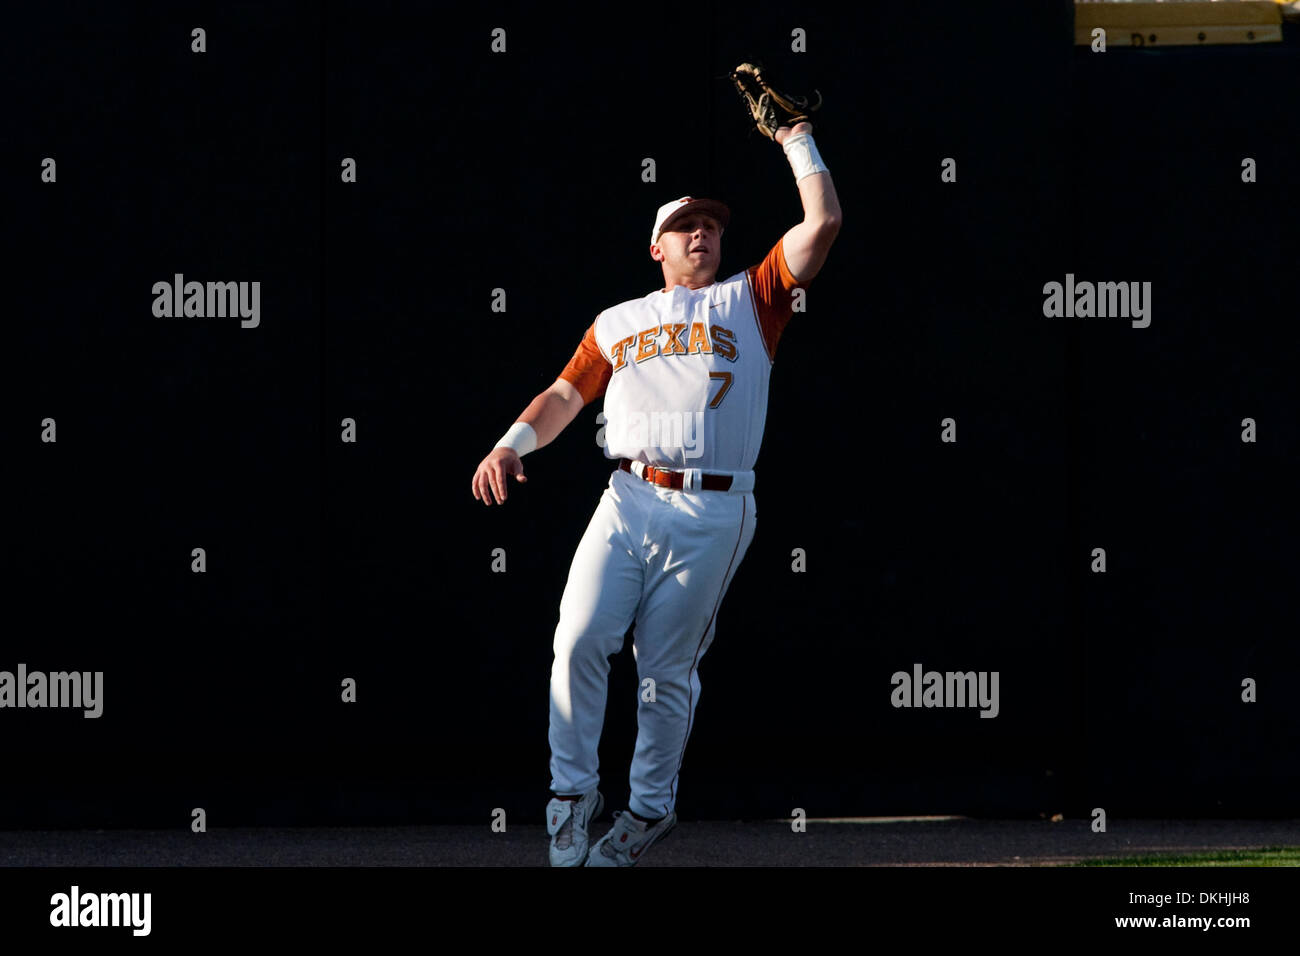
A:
693,245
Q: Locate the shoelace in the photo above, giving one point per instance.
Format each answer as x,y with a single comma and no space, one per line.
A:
609,849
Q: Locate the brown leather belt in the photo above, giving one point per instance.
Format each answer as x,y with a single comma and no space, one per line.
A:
666,478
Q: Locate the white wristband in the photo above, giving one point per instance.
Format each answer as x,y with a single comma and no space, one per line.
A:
803,156
520,437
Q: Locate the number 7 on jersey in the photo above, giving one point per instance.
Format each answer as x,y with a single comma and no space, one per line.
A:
725,378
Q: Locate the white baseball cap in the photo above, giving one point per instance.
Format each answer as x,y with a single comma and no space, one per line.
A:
671,210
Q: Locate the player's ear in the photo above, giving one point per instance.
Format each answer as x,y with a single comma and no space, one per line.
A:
655,253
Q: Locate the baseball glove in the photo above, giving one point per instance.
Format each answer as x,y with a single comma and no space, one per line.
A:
768,108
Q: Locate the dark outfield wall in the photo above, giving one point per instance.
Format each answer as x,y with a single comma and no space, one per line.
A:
522,171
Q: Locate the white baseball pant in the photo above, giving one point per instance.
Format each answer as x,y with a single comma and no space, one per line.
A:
663,559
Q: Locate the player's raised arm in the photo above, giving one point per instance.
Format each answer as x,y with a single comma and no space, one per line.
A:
807,244
545,417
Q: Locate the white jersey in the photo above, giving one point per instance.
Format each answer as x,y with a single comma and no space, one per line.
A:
685,372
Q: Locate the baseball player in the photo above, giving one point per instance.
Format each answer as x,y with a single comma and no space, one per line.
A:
684,374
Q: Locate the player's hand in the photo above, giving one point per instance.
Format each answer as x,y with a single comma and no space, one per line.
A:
493,472
785,131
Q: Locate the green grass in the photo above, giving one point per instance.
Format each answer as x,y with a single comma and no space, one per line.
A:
1269,856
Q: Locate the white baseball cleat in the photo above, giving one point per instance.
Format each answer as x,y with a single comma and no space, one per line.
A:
623,845
567,821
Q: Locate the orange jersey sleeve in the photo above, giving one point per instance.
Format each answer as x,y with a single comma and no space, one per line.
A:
588,371
772,282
